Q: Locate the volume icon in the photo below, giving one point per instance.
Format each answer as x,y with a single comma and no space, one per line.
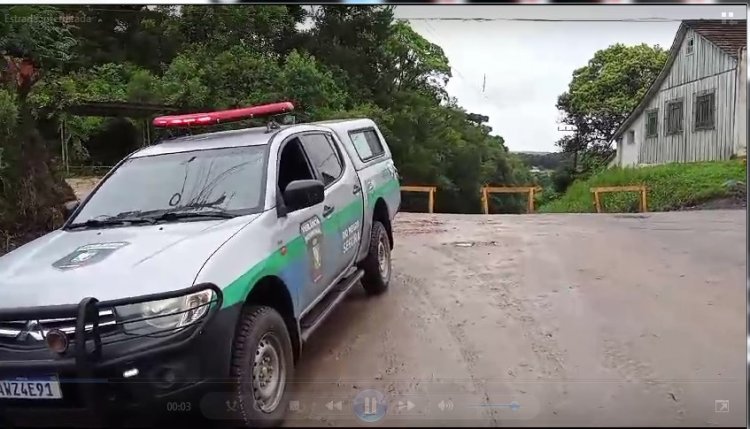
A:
445,405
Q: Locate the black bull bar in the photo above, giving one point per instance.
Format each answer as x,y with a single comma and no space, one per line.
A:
89,346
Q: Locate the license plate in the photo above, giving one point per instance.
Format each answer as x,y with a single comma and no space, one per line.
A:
30,388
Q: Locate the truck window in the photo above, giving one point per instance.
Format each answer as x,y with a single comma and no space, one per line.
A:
323,156
367,144
293,164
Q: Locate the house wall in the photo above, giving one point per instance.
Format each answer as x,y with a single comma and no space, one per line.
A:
707,68
629,144
740,109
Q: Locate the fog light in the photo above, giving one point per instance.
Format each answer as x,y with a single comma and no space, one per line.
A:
57,341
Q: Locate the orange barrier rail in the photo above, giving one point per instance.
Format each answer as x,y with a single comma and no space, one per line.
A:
430,189
487,190
637,188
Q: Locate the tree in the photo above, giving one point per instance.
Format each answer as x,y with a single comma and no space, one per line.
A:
34,42
603,93
353,62
351,41
415,63
269,29
142,35
32,38
310,85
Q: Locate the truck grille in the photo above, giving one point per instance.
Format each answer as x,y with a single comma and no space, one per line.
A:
31,333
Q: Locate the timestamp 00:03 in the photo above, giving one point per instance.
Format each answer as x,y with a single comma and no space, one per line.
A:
179,407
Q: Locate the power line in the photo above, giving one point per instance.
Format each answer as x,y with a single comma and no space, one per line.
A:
455,69
651,20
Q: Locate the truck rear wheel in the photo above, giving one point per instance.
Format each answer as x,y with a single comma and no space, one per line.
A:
262,366
377,264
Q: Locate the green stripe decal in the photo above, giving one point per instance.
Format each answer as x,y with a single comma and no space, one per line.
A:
238,290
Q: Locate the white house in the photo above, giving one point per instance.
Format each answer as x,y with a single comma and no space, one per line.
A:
696,109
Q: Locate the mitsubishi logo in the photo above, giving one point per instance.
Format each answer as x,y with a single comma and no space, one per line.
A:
32,329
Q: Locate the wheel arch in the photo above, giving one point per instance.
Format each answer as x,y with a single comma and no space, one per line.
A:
271,291
382,215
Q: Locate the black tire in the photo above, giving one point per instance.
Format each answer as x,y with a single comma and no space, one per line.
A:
375,281
260,323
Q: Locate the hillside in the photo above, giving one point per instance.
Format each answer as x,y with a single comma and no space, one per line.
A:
670,187
542,160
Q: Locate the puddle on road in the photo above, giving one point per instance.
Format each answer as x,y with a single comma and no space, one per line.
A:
631,216
472,243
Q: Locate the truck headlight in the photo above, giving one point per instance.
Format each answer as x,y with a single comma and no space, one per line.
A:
166,314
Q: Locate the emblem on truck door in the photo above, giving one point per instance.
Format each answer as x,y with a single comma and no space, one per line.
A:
312,233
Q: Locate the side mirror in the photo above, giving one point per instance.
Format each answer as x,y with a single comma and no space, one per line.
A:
301,194
69,207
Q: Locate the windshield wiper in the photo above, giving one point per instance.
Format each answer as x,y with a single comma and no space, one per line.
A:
93,223
177,215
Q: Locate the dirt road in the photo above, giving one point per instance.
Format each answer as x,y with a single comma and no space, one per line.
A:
543,320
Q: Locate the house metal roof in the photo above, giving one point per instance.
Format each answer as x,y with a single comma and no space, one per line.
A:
729,36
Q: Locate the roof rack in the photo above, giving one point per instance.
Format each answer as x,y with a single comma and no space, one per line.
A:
222,116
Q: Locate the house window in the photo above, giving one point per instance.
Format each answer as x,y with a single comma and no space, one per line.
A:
673,117
367,144
631,137
690,47
705,106
652,123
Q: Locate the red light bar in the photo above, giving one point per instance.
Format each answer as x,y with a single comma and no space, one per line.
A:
221,116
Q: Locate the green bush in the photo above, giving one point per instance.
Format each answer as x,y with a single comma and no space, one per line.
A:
561,179
670,187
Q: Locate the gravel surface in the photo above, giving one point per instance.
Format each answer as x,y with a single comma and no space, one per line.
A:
614,320
82,185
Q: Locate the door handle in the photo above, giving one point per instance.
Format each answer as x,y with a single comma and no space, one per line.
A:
328,210
357,189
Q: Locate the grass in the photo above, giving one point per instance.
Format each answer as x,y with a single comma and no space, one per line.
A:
670,187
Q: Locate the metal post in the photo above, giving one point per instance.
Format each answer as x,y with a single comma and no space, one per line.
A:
485,201
531,200
597,202
64,147
148,132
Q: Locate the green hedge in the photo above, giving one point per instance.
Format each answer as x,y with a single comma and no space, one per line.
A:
670,187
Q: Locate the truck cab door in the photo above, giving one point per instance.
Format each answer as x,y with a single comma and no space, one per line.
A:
343,195
309,271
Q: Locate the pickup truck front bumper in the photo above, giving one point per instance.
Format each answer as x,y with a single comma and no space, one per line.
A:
108,373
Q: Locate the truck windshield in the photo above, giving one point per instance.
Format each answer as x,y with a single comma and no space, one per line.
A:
227,181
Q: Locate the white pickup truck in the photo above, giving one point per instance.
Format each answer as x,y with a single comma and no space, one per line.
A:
191,276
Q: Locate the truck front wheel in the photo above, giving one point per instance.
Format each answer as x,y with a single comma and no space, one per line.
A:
377,264
262,366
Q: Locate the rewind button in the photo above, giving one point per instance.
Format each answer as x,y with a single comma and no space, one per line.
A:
335,405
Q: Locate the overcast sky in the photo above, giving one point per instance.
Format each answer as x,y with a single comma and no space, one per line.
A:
529,63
